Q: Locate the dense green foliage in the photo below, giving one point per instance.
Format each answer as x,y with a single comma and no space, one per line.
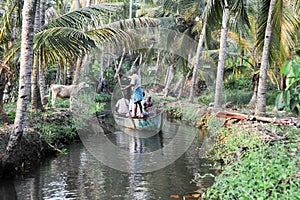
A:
255,168
289,97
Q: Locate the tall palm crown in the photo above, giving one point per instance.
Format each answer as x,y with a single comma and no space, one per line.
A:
77,32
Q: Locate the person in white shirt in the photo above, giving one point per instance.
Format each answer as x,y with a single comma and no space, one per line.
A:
122,106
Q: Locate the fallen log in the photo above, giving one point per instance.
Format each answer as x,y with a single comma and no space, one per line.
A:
232,115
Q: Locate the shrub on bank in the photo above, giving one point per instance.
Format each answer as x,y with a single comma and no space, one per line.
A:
256,168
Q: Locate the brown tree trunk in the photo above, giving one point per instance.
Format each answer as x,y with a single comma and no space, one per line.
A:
11,159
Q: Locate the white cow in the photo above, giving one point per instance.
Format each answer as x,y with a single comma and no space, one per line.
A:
66,91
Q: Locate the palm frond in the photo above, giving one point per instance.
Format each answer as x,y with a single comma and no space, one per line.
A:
239,18
77,32
82,19
213,12
133,23
284,28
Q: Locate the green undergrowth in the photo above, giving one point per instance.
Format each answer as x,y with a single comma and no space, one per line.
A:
57,128
187,112
253,166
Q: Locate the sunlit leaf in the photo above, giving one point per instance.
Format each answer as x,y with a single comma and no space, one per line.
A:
286,67
279,102
287,98
296,67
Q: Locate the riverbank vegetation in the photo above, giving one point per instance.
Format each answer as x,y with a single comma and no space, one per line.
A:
258,161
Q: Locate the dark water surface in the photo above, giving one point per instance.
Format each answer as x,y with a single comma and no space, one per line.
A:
78,175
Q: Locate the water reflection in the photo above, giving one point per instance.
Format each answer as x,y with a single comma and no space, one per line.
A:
78,175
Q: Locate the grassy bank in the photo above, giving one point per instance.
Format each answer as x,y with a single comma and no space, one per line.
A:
47,133
253,160
257,162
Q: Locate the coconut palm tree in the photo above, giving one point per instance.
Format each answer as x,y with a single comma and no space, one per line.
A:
261,93
24,82
189,10
74,34
235,11
275,40
9,46
36,101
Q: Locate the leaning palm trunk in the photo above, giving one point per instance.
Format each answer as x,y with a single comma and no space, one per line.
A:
177,85
261,93
222,55
196,63
26,61
181,86
169,80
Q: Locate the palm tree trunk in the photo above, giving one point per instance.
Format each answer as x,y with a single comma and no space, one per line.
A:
169,80
130,9
196,63
42,80
77,71
26,60
58,75
76,5
222,55
261,93
42,83
157,67
36,103
35,90
3,116
181,87
69,75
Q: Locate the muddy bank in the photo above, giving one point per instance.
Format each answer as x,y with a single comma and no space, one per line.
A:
32,150
46,135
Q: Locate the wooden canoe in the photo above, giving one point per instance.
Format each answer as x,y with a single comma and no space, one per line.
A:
151,123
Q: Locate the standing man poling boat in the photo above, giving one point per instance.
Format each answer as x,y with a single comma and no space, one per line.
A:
137,92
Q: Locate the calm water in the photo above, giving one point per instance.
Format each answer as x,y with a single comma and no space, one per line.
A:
78,175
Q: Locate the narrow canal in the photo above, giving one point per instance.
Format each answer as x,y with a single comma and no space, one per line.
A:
79,175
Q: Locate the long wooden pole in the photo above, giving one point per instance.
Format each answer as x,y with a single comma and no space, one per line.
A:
120,84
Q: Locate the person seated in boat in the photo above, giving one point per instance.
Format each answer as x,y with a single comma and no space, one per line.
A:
147,103
137,92
122,106
138,111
